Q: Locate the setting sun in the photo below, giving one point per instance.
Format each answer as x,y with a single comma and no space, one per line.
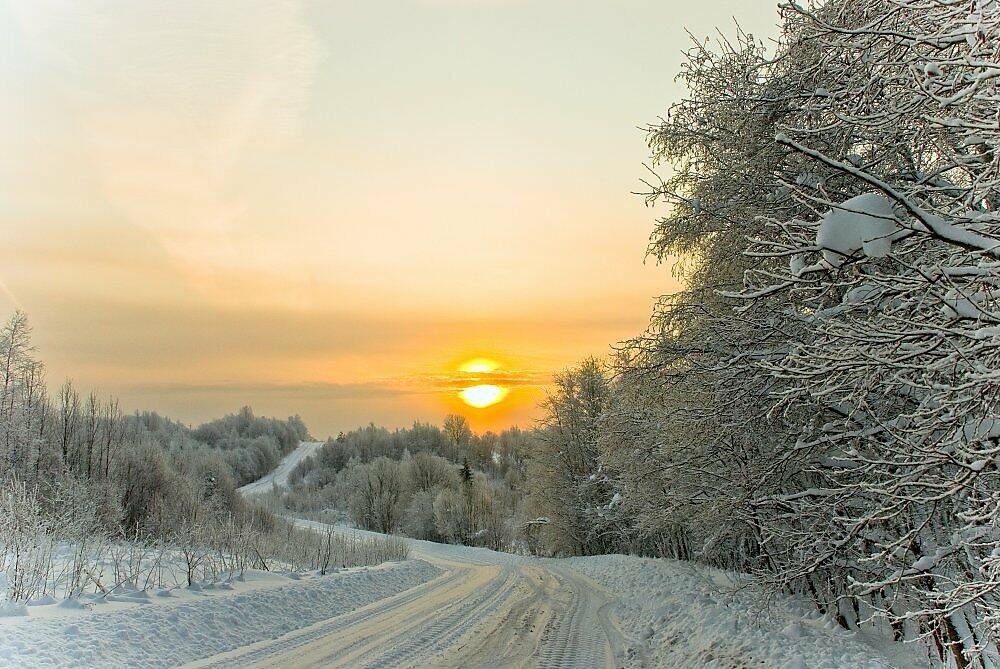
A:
483,396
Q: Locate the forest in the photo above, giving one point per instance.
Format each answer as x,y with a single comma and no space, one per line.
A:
439,484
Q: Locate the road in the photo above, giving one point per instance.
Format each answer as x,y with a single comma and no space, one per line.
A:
280,474
485,609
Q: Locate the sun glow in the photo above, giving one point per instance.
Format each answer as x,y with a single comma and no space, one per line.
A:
483,396
479,366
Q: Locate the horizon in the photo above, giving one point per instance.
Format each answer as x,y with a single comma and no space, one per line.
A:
328,210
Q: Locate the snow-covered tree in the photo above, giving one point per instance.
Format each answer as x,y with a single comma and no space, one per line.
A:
820,404
568,483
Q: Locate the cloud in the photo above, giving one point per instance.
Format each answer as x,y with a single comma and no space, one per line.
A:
450,382
417,384
265,391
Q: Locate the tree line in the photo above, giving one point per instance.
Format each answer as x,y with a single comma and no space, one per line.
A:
440,484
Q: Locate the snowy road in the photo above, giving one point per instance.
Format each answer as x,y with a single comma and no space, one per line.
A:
486,609
280,474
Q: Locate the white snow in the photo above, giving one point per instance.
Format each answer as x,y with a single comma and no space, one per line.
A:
863,223
924,563
958,304
980,429
797,263
197,622
643,612
862,293
675,614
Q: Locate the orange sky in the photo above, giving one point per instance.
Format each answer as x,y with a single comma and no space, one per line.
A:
323,208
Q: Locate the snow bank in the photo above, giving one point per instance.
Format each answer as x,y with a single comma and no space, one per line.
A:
674,614
164,632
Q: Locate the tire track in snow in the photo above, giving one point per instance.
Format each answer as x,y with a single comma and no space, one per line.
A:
488,609
260,651
515,612
582,634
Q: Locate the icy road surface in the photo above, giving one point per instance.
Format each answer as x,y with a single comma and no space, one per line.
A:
485,609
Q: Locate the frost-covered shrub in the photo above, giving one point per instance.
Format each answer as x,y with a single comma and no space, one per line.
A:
451,516
419,520
376,499
48,547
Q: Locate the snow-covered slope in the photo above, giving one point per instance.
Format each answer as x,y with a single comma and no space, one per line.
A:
456,607
279,477
678,615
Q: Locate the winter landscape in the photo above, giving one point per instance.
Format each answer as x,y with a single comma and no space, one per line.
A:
500,333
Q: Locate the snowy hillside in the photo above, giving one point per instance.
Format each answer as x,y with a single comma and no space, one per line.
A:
162,629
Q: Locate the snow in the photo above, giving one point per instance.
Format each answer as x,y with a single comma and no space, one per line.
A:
933,224
863,223
980,429
960,305
196,622
810,179
925,563
642,612
797,263
666,613
12,609
863,293
677,615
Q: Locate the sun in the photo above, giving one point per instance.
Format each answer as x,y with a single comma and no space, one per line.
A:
483,396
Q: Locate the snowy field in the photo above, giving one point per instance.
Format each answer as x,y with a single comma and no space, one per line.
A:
677,615
148,630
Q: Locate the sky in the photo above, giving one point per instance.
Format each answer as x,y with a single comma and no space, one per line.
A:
328,208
